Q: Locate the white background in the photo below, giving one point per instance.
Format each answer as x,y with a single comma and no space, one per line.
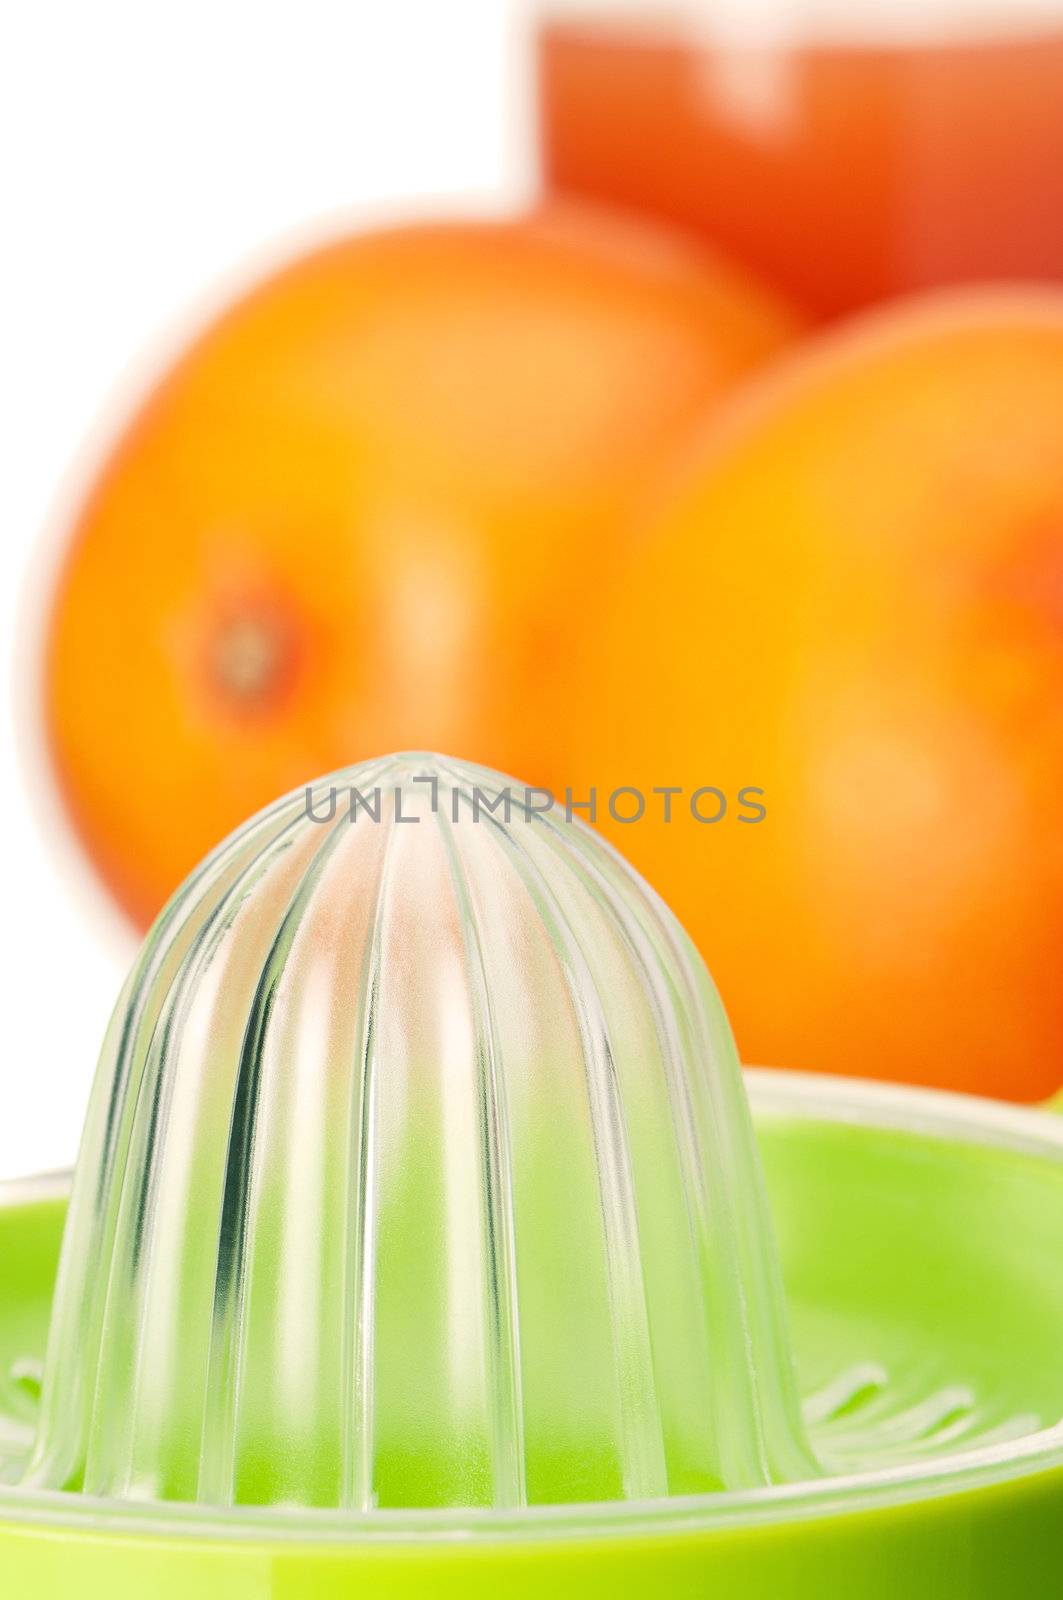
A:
153,156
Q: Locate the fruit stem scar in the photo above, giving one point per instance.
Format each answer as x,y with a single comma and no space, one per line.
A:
251,658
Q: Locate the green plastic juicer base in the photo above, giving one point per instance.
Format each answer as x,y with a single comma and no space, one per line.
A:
920,1238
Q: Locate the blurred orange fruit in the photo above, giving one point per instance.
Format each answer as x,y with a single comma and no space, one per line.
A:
361,513
853,601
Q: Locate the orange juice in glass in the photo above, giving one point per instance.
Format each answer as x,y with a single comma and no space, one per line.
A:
850,151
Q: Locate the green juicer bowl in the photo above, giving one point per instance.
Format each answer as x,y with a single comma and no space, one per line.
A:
422,1244
921,1236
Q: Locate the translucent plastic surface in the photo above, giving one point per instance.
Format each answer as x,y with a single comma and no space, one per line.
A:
418,1172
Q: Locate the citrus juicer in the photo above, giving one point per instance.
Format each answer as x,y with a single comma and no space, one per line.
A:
422,1243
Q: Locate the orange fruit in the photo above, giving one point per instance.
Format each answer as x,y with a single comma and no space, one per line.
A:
360,513
851,599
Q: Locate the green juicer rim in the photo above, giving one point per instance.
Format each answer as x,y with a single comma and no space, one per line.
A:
927,1113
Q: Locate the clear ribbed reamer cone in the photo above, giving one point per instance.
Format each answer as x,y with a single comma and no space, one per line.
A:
418,1172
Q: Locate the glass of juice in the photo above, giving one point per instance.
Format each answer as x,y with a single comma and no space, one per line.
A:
850,149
